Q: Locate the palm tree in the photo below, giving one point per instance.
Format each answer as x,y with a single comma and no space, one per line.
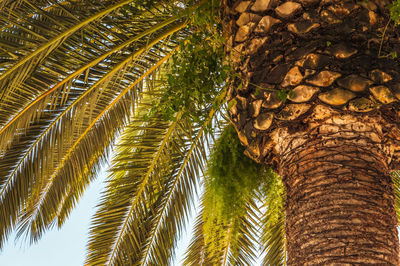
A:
311,92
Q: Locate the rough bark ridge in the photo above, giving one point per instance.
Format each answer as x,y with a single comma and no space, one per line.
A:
340,204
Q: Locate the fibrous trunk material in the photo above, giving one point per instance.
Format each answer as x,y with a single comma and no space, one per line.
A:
340,203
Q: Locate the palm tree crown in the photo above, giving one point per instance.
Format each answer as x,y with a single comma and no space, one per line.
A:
145,80
82,78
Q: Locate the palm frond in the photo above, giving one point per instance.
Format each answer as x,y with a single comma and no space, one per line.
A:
21,118
53,143
17,70
274,242
152,184
396,188
220,241
273,221
54,146
48,201
81,58
174,208
196,253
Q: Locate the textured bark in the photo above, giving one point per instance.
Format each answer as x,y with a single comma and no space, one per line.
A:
321,53
335,137
340,203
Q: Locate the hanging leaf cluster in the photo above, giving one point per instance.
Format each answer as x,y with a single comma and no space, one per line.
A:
242,210
232,176
196,73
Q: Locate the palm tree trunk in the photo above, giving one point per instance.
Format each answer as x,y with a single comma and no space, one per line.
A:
340,202
334,136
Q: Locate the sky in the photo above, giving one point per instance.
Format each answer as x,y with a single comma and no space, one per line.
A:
66,247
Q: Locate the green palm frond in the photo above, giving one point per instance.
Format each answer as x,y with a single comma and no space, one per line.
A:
196,253
53,32
151,186
29,51
65,131
69,110
273,220
396,188
226,229
220,241
275,242
80,62
49,199
85,51
21,118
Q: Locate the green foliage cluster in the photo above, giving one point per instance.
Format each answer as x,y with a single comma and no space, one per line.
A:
396,188
196,73
273,221
395,12
218,226
275,197
231,175
234,187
